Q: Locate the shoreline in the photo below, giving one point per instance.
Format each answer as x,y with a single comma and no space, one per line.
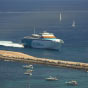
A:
21,57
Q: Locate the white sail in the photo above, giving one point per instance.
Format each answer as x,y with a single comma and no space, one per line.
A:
73,24
60,16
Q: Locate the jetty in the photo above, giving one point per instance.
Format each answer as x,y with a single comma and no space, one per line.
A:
21,57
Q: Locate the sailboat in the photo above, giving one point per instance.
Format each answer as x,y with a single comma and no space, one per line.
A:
73,24
60,16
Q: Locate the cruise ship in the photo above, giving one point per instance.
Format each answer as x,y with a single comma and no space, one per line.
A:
44,40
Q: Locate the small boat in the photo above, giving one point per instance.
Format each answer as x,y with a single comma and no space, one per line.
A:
72,83
28,66
28,72
50,78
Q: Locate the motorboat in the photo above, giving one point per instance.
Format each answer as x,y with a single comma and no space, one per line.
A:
28,66
50,78
28,72
72,83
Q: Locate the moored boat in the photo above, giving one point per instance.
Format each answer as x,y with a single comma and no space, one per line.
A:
28,66
50,78
28,72
72,83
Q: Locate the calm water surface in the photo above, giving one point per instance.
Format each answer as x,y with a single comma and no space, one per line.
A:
15,25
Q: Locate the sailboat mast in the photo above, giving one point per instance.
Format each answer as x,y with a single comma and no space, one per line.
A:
34,29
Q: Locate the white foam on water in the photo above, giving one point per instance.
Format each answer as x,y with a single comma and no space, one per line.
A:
11,44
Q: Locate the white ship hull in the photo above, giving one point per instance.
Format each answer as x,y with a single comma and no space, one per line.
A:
47,44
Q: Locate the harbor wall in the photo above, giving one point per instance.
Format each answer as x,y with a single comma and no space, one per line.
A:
17,56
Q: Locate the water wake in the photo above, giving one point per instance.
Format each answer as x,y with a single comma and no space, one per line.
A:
10,44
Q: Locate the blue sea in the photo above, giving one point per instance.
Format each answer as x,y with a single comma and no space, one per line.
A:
18,19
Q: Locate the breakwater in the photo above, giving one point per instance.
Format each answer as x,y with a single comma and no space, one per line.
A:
17,56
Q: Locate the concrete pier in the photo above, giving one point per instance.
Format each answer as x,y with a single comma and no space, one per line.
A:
17,56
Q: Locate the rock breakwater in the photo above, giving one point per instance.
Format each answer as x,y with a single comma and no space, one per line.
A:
17,56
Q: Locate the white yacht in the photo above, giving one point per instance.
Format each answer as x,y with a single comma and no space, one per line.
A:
50,78
72,83
28,72
28,66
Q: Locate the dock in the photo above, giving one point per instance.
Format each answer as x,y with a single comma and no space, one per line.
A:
21,57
